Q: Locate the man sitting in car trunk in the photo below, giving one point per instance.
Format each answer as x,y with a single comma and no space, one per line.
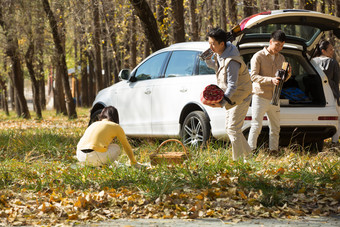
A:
264,65
233,78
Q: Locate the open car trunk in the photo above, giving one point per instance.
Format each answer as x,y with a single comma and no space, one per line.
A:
302,27
303,30
304,88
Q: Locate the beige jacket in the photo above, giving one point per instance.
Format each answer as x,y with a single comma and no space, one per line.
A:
243,82
263,69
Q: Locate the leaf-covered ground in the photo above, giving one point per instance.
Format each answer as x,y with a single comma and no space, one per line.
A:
41,183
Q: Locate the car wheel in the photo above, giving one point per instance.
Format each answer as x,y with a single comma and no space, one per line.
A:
94,116
316,146
195,129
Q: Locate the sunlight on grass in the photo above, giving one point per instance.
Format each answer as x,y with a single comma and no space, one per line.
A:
39,155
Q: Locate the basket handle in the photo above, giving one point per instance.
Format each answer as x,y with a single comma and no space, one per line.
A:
171,140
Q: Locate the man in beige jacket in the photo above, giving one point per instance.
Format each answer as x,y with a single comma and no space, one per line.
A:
264,65
233,78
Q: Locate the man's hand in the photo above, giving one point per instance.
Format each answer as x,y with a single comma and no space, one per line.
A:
276,80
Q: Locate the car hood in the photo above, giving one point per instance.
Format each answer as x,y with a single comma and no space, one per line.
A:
302,27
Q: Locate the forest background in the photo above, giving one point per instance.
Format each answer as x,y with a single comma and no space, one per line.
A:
71,49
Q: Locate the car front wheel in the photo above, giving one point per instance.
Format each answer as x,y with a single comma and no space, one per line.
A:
195,129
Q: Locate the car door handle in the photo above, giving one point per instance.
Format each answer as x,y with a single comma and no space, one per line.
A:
183,90
147,91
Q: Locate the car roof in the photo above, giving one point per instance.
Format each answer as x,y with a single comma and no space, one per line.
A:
195,45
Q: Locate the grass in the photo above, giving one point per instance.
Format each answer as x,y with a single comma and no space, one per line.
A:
39,155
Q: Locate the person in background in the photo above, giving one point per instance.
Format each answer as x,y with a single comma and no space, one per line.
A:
95,147
233,78
324,58
264,65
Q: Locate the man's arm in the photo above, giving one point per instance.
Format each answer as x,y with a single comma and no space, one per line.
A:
211,62
232,71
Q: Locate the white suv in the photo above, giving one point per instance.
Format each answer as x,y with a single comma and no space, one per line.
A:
161,96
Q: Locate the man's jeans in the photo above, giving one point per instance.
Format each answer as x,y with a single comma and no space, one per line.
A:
260,106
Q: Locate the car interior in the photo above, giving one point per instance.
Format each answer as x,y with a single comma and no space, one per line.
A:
304,87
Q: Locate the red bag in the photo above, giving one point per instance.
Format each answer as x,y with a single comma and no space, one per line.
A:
212,94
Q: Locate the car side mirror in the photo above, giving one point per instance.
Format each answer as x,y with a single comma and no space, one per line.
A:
124,74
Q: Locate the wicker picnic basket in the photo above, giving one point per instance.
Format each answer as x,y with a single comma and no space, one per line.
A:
169,158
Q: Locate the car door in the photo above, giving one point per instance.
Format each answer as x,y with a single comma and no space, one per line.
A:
178,87
134,98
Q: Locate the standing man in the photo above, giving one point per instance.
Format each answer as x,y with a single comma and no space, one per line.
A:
264,65
233,78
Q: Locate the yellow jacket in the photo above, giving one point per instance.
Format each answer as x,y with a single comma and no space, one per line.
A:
100,134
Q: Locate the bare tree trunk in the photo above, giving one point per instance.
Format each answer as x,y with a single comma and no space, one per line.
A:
308,4
61,58
194,20
39,30
59,96
133,48
12,92
18,109
18,80
248,8
91,77
106,61
276,4
289,4
161,5
337,8
84,77
109,12
146,48
210,14
96,43
4,88
223,15
76,68
149,23
232,12
29,63
12,51
178,20
29,60
4,98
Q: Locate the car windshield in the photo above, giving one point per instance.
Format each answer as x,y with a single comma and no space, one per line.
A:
304,33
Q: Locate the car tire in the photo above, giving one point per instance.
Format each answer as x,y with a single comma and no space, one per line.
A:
317,146
195,130
94,116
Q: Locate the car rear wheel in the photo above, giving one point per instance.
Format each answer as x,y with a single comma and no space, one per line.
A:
94,116
316,146
195,129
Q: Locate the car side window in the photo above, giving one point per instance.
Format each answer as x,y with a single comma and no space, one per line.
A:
151,68
181,63
203,69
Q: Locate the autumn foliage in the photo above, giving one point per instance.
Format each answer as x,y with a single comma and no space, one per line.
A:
41,183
